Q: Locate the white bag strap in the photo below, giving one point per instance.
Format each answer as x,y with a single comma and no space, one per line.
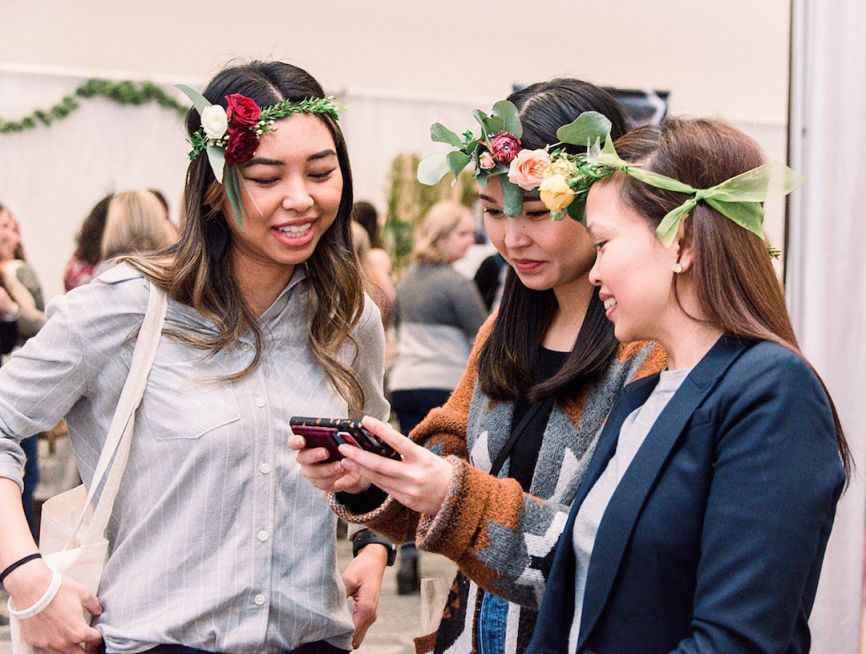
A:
115,452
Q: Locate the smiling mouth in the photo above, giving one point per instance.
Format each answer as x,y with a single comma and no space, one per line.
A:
609,303
295,231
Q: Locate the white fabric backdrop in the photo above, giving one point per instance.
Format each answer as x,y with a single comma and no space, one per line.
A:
826,278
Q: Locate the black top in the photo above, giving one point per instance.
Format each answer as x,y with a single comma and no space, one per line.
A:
525,452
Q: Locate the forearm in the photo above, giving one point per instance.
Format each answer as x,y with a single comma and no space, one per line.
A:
16,541
500,537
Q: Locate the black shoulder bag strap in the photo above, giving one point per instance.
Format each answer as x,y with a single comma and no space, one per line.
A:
517,432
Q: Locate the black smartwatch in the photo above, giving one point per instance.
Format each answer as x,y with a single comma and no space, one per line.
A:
366,537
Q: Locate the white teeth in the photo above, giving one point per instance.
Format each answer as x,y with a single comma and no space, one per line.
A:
609,302
296,231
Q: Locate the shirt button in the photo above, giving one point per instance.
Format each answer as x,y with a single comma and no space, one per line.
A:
259,599
260,402
264,468
263,535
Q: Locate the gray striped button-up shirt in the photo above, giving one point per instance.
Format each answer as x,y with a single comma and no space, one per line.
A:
217,541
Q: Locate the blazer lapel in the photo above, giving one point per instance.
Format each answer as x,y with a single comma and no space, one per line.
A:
628,498
557,607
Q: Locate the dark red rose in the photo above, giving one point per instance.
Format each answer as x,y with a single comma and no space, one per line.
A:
241,146
504,147
242,111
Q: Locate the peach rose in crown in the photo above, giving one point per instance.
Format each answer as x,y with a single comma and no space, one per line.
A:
527,169
486,161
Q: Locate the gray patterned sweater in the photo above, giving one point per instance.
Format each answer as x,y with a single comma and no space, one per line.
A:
501,538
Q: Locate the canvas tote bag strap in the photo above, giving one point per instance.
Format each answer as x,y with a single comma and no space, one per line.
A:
115,452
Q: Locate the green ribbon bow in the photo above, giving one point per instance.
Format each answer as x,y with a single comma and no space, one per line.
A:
738,198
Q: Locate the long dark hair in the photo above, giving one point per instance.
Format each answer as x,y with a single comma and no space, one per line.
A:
735,282
509,358
89,239
191,275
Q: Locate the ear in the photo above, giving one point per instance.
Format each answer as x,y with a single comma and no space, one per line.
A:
685,253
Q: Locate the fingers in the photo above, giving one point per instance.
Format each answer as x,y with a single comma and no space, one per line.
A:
297,442
92,605
390,435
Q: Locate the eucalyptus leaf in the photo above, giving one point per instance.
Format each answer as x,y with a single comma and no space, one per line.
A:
512,198
510,117
585,129
198,100
577,209
481,117
441,134
457,161
432,168
233,192
217,159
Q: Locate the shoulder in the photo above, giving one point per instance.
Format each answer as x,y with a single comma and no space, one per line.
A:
770,366
643,358
379,258
119,291
370,322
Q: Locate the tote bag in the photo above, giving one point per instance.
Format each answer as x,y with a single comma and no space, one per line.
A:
72,536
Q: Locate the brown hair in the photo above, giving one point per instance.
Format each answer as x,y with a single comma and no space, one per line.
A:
194,276
734,280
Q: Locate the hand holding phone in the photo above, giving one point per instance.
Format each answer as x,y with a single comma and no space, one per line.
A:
330,433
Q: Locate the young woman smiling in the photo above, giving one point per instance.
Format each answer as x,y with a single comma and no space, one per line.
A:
705,511
217,544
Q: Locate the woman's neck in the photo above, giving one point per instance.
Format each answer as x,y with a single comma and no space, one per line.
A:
573,300
688,341
259,285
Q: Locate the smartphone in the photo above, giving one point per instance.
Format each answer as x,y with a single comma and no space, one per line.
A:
330,433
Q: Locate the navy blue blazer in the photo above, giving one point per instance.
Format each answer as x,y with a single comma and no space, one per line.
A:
714,538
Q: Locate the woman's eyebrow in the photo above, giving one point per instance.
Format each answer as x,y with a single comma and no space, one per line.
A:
481,196
263,161
321,155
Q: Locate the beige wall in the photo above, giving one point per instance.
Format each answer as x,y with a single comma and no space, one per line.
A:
726,57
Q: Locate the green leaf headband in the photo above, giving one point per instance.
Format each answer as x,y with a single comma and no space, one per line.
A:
738,199
231,135
491,151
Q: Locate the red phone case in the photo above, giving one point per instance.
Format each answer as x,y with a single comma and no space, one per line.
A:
337,431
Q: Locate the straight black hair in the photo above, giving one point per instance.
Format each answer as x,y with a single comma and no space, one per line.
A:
509,358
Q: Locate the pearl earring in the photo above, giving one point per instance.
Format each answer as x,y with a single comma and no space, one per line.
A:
678,268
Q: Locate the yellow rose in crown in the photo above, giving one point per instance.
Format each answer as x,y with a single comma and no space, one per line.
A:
555,193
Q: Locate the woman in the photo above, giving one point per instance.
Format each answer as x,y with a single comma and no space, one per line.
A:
705,512
217,544
81,266
137,223
438,313
376,262
489,477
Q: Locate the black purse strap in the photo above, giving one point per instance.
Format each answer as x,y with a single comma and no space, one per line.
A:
517,432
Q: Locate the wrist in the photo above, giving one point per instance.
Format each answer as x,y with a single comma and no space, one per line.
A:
366,539
27,584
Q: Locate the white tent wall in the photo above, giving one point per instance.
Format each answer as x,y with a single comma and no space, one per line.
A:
826,280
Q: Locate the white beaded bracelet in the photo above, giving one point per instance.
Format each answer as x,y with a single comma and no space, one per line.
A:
42,602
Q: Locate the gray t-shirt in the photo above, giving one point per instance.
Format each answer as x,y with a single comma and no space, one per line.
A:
631,436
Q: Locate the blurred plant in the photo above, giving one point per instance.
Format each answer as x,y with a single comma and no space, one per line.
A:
409,199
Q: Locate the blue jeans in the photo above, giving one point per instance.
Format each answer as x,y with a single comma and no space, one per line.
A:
491,624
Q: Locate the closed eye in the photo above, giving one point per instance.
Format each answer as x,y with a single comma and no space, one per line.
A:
323,175
490,211
264,181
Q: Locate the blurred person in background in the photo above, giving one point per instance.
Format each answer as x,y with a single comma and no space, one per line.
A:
25,291
82,264
376,261
136,223
438,313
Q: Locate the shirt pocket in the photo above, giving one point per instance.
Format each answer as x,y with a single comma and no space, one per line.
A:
187,400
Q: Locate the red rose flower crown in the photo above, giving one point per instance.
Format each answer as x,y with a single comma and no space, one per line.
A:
230,136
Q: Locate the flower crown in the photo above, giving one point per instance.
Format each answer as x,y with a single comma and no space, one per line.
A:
563,179
231,136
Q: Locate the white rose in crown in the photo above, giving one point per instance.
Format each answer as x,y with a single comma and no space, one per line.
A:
214,121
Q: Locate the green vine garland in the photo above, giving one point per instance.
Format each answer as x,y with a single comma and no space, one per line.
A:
123,93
